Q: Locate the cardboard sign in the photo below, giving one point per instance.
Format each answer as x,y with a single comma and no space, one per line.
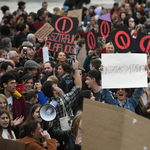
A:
10,144
105,17
124,71
62,38
76,13
143,43
91,40
45,54
38,25
104,28
44,31
122,40
81,56
107,127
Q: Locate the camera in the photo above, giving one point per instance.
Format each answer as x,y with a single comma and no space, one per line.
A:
24,50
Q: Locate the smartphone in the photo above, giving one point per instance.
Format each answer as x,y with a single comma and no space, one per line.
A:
24,50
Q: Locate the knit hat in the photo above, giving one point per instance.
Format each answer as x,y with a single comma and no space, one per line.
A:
31,64
95,74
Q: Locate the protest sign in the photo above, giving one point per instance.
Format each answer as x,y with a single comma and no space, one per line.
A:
122,40
143,43
44,31
107,127
76,13
62,38
45,54
10,144
91,40
104,28
81,56
105,17
38,25
124,70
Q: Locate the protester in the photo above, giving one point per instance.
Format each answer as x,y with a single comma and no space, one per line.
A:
5,126
31,135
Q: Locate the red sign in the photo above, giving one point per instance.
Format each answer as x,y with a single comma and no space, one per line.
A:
142,46
123,45
91,40
106,30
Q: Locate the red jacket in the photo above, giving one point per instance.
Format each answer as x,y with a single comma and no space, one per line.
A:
19,107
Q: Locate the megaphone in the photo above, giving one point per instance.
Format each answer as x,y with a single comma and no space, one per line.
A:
48,111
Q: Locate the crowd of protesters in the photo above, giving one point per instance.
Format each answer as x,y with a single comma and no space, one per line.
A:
27,83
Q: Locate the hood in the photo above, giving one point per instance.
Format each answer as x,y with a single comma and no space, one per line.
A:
98,11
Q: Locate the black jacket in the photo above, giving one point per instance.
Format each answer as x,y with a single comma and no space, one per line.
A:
67,136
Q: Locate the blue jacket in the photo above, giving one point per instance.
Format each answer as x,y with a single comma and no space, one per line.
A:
130,103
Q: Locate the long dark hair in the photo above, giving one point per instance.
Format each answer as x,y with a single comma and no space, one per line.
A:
75,124
2,111
28,128
30,117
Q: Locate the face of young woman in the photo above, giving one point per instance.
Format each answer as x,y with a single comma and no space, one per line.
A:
36,115
61,57
38,131
3,104
61,71
4,121
29,84
110,49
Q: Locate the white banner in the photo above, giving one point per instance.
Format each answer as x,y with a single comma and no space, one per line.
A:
45,54
124,70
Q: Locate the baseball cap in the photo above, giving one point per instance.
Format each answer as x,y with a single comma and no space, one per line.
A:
95,74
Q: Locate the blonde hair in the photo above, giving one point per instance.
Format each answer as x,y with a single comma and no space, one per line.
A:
108,44
94,19
54,79
7,106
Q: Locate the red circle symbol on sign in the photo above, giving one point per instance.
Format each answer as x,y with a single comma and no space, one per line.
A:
125,45
103,32
91,37
141,44
64,24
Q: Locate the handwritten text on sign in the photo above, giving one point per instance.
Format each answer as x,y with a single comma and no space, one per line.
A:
124,70
62,38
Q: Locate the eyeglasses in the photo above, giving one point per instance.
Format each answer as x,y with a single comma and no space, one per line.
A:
13,83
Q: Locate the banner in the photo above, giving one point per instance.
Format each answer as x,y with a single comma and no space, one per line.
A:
44,31
104,28
62,38
122,40
76,13
91,40
107,127
124,71
143,42
11,145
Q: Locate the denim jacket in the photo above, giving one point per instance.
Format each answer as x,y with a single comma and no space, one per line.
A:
130,103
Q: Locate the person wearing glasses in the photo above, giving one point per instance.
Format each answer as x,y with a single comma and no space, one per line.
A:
16,103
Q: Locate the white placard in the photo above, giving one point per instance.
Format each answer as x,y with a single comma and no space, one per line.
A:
45,54
124,70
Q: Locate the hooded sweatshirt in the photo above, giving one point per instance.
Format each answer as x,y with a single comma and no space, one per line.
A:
98,11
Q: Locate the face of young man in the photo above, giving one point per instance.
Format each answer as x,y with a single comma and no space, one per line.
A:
48,69
121,94
89,82
11,86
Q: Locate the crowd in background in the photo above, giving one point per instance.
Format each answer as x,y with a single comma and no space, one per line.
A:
27,83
